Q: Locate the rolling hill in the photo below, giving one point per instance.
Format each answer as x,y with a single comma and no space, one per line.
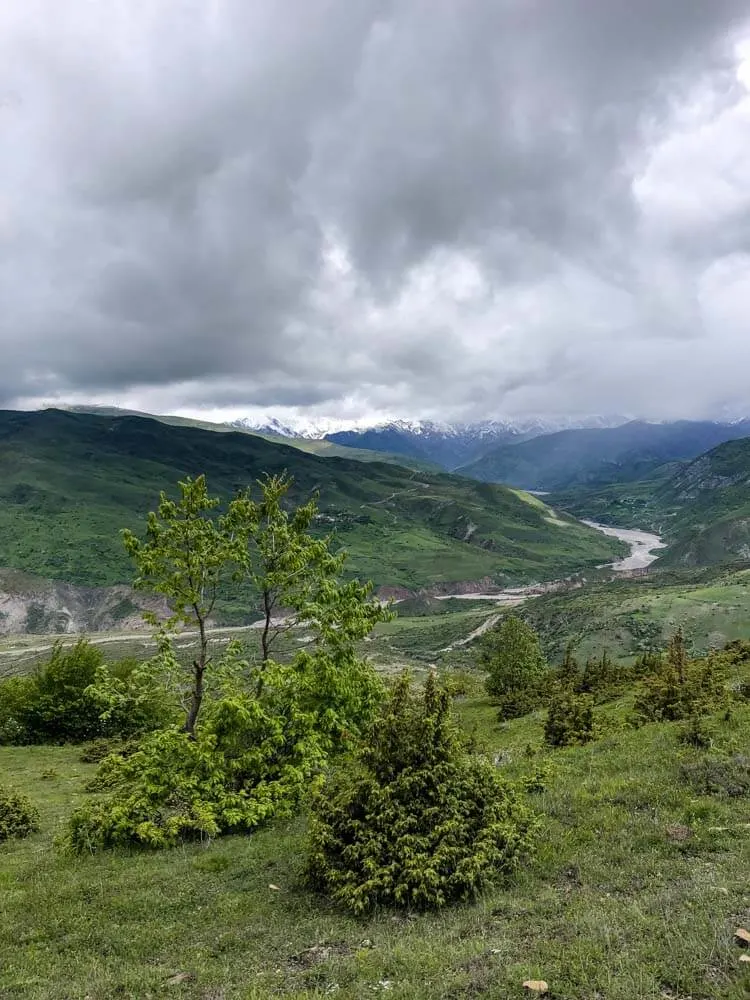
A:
70,481
315,446
704,508
700,507
596,456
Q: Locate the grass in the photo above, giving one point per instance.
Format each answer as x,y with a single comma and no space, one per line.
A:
636,889
628,616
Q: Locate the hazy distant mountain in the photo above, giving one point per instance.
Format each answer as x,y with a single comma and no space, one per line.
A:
453,445
272,430
596,456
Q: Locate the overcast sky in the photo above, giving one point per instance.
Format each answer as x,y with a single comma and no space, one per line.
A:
451,208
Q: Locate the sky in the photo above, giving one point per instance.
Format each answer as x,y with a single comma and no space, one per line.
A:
453,209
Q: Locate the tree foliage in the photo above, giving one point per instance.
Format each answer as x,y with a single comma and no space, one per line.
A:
256,731
570,718
513,658
58,703
191,551
187,555
678,687
419,822
249,762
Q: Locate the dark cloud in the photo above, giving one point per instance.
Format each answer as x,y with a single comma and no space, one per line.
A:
414,207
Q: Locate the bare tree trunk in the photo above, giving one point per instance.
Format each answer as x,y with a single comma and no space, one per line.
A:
199,668
265,639
196,699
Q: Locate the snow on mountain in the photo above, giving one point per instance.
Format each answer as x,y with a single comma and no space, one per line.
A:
449,444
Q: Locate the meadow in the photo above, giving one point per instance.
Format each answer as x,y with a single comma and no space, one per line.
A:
639,881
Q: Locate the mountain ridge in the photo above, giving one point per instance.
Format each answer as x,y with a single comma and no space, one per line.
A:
72,480
597,456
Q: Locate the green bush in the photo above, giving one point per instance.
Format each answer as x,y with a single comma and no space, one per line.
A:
18,817
603,678
250,762
58,704
570,719
696,733
418,822
714,774
679,688
513,659
96,751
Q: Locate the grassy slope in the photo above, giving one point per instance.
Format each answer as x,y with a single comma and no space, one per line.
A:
313,446
71,481
596,456
614,906
628,616
702,507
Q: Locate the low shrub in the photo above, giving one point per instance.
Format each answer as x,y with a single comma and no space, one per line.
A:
570,719
714,774
679,688
696,733
249,762
58,703
18,816
96,751
417,822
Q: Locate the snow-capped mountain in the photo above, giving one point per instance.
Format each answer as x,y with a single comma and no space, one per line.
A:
444,443
454,445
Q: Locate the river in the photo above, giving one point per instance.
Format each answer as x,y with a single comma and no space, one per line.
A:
644,546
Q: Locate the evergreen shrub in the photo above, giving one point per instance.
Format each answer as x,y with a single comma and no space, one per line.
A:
418,822
18,816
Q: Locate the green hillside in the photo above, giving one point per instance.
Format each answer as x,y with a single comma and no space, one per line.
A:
70,481
701,508
629,616
596,456
314,446
705,508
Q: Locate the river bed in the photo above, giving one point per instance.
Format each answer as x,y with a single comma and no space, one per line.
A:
644,546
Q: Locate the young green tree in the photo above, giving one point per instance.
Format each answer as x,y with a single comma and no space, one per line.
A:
570,718
297,578
267,726
680,688
187,554
191,551
516,667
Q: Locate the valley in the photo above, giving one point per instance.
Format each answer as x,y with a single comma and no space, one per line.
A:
626,831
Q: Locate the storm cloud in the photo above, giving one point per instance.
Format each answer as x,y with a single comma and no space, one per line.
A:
422,207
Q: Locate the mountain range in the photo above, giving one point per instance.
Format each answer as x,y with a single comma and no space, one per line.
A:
448,445
700,507
599,455
71,481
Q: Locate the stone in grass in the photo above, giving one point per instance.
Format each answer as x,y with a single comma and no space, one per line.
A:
536,986
744,958
179,978
742,937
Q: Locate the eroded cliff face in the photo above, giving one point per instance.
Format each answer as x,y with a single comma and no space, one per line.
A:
37,606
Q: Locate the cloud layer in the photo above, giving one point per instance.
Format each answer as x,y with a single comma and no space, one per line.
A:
417,208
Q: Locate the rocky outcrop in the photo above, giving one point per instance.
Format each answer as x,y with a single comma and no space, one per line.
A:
30,604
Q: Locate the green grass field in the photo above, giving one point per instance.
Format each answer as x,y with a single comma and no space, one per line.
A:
636,889
712,606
